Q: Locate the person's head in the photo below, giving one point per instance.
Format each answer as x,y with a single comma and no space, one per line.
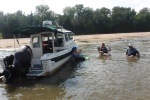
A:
103,44
130,45
74,48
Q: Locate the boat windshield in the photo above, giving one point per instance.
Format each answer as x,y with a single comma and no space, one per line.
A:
47,37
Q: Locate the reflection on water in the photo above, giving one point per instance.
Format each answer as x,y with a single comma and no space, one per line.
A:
132,59
104,58
100,78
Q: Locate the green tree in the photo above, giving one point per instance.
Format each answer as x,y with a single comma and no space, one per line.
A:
102,20
143,20
123,19
66,20
11,22
2,18
43,13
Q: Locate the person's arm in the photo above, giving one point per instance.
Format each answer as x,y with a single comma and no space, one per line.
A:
80,50
100,49
127,52
138,54
109,49
75,54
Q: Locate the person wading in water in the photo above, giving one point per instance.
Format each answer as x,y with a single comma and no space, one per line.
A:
103,50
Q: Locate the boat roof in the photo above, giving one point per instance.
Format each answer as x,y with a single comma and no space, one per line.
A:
35,30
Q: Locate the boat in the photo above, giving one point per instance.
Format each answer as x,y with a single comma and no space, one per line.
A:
50,48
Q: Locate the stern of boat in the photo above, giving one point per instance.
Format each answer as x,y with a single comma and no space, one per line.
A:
2,64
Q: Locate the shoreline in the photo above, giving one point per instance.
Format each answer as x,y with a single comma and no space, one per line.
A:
80,39
109,37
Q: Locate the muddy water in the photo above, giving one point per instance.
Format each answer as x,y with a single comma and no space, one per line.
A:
100,78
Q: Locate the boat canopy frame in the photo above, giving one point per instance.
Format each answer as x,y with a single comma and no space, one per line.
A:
27,31
33,30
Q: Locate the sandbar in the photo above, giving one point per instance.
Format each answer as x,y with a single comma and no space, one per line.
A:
80,39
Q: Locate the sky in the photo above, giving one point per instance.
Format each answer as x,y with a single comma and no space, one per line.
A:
28,6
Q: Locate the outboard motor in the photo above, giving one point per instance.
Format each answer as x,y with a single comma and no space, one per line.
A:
8,60
19,67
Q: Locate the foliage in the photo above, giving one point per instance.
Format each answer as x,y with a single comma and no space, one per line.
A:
0,35
123,19
143,20
79,19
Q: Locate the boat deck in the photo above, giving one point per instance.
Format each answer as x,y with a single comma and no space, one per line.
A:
36,70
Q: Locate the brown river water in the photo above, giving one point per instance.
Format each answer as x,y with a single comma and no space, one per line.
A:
99,78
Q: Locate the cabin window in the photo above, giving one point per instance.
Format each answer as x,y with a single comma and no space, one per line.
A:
47,38
66,37
47,43
59,41
36,42
70,36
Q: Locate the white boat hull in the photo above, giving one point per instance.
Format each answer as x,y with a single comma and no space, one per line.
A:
50,65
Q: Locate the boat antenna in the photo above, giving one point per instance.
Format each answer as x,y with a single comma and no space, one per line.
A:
54,21
17,42
52,16
14,43
43,2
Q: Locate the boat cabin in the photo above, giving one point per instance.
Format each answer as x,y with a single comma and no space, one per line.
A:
50,42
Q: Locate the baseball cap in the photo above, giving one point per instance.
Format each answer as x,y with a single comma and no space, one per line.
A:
74,48
129,44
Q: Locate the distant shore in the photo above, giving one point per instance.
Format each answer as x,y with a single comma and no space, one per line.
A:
109,37
9,43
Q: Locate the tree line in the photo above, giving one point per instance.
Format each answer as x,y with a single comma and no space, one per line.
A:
80,20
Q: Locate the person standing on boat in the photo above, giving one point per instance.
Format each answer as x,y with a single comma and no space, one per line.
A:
131,51
77,53
103,50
